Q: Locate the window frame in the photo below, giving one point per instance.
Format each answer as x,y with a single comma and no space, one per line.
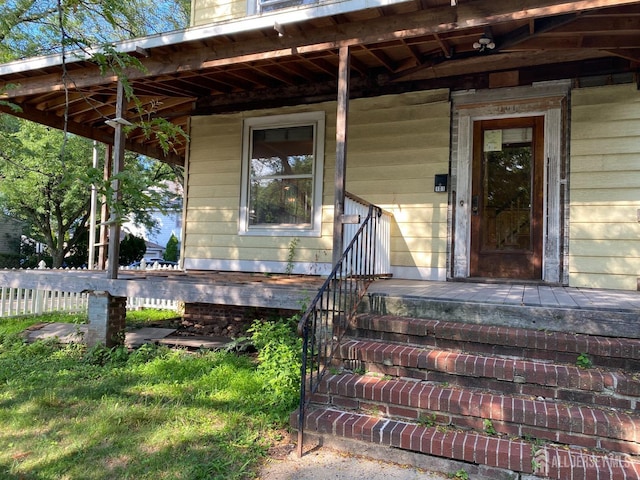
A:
317,121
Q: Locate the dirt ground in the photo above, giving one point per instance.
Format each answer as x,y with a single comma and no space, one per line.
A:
323,463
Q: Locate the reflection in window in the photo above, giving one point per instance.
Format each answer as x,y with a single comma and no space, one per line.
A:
270,5
281,176
282,191
507,183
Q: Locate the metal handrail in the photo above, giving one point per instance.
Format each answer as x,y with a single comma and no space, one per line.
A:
325,321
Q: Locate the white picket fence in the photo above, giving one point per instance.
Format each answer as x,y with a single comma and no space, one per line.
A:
15,302
23,301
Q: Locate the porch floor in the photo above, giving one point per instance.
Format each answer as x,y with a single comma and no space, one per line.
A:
510,294
541,307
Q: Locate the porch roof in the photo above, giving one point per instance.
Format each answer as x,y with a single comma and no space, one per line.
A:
397,47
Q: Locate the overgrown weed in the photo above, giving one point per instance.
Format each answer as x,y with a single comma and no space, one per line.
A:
77,413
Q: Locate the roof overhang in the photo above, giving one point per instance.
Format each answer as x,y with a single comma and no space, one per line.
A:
395,47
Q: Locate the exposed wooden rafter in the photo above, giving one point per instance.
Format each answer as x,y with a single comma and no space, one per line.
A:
392,49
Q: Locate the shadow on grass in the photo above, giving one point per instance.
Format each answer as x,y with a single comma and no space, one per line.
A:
155,414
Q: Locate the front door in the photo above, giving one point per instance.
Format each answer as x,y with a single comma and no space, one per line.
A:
507,198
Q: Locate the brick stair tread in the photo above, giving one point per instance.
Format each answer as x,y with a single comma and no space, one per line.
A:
570,424
530,371
547,461
431,330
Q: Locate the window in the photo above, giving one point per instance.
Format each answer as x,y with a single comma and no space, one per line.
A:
263,6
282,175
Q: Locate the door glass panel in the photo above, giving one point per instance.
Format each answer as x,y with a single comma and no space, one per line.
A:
506,193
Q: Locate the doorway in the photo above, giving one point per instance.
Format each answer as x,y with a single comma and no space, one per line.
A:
507,198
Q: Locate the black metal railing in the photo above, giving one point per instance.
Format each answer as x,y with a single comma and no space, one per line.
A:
325,321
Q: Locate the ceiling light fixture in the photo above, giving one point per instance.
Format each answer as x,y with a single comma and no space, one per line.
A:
485,42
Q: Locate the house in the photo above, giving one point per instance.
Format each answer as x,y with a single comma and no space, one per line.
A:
10,237
501,140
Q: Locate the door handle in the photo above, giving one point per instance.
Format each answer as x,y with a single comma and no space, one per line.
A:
474,205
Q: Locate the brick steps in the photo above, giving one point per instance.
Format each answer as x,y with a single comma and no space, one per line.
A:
512,455
511,400
579,425
559,347
610,388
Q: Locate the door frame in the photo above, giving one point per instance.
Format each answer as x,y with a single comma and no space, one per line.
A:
548,100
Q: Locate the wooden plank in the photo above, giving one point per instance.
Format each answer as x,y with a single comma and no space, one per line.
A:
195,342
404,26
546,296
84,130
340,179
118,166
530,295
515,295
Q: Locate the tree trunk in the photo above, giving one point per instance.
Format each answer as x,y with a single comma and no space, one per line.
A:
58,257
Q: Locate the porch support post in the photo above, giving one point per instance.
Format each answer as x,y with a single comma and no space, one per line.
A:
92,218
118,166
106,319
104,212
341,151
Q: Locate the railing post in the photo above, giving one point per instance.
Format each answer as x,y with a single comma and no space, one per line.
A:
322,326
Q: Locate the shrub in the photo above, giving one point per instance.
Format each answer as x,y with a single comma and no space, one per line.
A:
171,249
279,360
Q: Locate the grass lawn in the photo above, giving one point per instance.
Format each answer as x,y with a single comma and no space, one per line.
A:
68,412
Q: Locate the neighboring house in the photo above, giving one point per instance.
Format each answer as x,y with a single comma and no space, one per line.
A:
10,234
10,237
167,224
153,251
505,142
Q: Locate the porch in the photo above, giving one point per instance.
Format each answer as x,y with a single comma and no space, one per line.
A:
534,306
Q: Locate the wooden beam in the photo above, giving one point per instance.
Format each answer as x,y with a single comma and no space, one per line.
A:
93,133
503,61
118,166
431,21
341,152
632,54
104,211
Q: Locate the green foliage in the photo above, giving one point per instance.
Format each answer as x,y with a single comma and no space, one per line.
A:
99,414
291,254
101,355
279,360
583,361
460,475
132,249
46,180
488,427
427,420
171,249
148,315
30,28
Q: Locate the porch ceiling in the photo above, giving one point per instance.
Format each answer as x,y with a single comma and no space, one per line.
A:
395,48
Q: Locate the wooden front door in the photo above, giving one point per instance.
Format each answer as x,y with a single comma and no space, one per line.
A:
507,198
